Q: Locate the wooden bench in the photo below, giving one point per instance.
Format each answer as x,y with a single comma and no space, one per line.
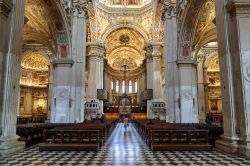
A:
70,139
160,135
179,140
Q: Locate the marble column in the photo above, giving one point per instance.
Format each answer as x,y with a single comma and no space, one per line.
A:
234,51
96,53
188,91
170,59
79,57
61,101
156,75
50,91
11,32
149,73
229,141
69,72
201,88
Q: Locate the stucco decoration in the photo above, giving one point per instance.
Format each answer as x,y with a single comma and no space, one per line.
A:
125,46
35,61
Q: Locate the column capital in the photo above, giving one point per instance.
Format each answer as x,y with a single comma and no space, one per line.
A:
96,50
157,50
149,50
169,9
5,7
80,8
238,7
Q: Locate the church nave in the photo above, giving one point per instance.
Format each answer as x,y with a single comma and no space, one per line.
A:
122,148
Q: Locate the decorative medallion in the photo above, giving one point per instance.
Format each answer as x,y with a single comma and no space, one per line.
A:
124,39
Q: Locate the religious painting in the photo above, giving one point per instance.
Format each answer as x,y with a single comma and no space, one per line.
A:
63,52
214,104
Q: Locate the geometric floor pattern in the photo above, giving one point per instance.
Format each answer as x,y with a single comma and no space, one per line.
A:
123,148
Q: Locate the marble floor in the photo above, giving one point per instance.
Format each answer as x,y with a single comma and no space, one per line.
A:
123,148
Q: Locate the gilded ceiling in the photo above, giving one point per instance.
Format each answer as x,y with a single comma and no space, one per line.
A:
127,3
35,61
125,46
43,20
144,18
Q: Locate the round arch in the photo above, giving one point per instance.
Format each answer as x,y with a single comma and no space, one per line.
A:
118,26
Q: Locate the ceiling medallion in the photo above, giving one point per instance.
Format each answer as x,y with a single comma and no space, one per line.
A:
124,39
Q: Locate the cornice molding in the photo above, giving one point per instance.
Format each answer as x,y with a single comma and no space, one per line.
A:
5,7
62,62
130,11
238,7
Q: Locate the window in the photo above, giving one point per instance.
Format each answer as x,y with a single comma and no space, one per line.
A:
112,85
123,86
117,86
136,86
130,86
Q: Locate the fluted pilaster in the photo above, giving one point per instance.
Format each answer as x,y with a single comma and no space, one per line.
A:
10,84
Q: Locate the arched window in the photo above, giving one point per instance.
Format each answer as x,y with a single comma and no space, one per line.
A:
117,86
123,86
130,86
112,85
136,86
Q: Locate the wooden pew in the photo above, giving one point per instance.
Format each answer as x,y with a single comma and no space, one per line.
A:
83,136
71,139
168,136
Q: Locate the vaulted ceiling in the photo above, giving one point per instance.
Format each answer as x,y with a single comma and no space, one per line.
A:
125,46
43,21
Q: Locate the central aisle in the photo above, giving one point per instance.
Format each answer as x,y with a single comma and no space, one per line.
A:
125,146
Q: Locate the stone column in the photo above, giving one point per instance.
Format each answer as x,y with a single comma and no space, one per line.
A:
149,73
233,18
96,53
11,32
201,89
80,15
61,101
156,73
229,142
170,55
50,91
188,91
157,77
69,71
